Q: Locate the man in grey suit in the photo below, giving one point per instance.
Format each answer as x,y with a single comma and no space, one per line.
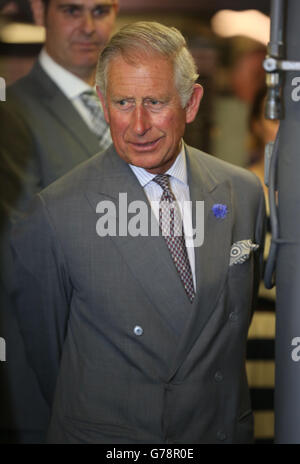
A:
59,123
55,100
138,336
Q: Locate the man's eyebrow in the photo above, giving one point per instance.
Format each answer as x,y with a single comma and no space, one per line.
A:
81,6
73,5
122,97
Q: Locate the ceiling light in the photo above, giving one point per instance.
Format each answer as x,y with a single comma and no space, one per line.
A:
249,23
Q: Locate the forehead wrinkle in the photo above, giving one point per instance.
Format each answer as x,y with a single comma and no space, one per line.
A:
140,58
153,94
131,79
140,80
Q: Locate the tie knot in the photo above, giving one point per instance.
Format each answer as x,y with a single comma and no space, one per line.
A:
87,93
89,97
163,180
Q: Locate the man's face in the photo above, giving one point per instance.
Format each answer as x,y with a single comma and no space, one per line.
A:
144,111
76,31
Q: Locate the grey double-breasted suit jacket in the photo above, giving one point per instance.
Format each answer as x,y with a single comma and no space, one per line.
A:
120,352
54,139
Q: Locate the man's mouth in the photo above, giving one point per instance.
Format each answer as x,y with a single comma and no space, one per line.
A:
87,44
145,146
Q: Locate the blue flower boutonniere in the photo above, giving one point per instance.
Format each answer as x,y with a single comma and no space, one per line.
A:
220,211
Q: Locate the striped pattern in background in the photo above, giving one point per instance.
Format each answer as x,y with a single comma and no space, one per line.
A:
261,369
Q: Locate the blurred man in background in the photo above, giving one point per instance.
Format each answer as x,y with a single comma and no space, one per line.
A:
56,99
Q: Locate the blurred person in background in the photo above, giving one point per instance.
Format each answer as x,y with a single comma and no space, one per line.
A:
56,100
56,118
261,132
247,74
16,8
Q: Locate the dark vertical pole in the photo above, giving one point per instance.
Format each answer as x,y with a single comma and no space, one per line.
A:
275,50
276,32
287,348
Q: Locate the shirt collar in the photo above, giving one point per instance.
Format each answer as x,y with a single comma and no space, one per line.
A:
71,85
177,170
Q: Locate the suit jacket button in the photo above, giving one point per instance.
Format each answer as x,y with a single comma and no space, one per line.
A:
138,330
221,435
233,316
219,376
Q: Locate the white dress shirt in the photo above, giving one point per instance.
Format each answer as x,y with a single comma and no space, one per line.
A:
180,188
70,85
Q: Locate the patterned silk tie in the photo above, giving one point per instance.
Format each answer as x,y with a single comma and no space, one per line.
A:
99,125
170,223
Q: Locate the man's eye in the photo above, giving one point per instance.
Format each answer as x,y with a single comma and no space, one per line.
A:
153,103
124,104
71,10
102,10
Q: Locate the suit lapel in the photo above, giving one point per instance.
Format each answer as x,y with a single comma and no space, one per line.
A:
212,258
64,111
148,258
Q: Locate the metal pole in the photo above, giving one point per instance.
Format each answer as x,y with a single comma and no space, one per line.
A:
275,50
276,33
287,347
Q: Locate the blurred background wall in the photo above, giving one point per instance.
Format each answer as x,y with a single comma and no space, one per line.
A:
229,47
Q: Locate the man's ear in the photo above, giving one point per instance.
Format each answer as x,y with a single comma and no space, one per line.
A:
103,103
38,12
192,105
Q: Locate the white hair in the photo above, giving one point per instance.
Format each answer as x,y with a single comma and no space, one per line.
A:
146,38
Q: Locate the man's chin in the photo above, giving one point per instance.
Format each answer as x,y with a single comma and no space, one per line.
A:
146,161
153,166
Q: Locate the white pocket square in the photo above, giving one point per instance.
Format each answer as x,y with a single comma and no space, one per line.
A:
240,251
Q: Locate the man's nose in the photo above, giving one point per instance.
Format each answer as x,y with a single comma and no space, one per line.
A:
140,120
88,23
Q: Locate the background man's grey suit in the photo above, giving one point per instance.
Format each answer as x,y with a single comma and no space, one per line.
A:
181,379
61,138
